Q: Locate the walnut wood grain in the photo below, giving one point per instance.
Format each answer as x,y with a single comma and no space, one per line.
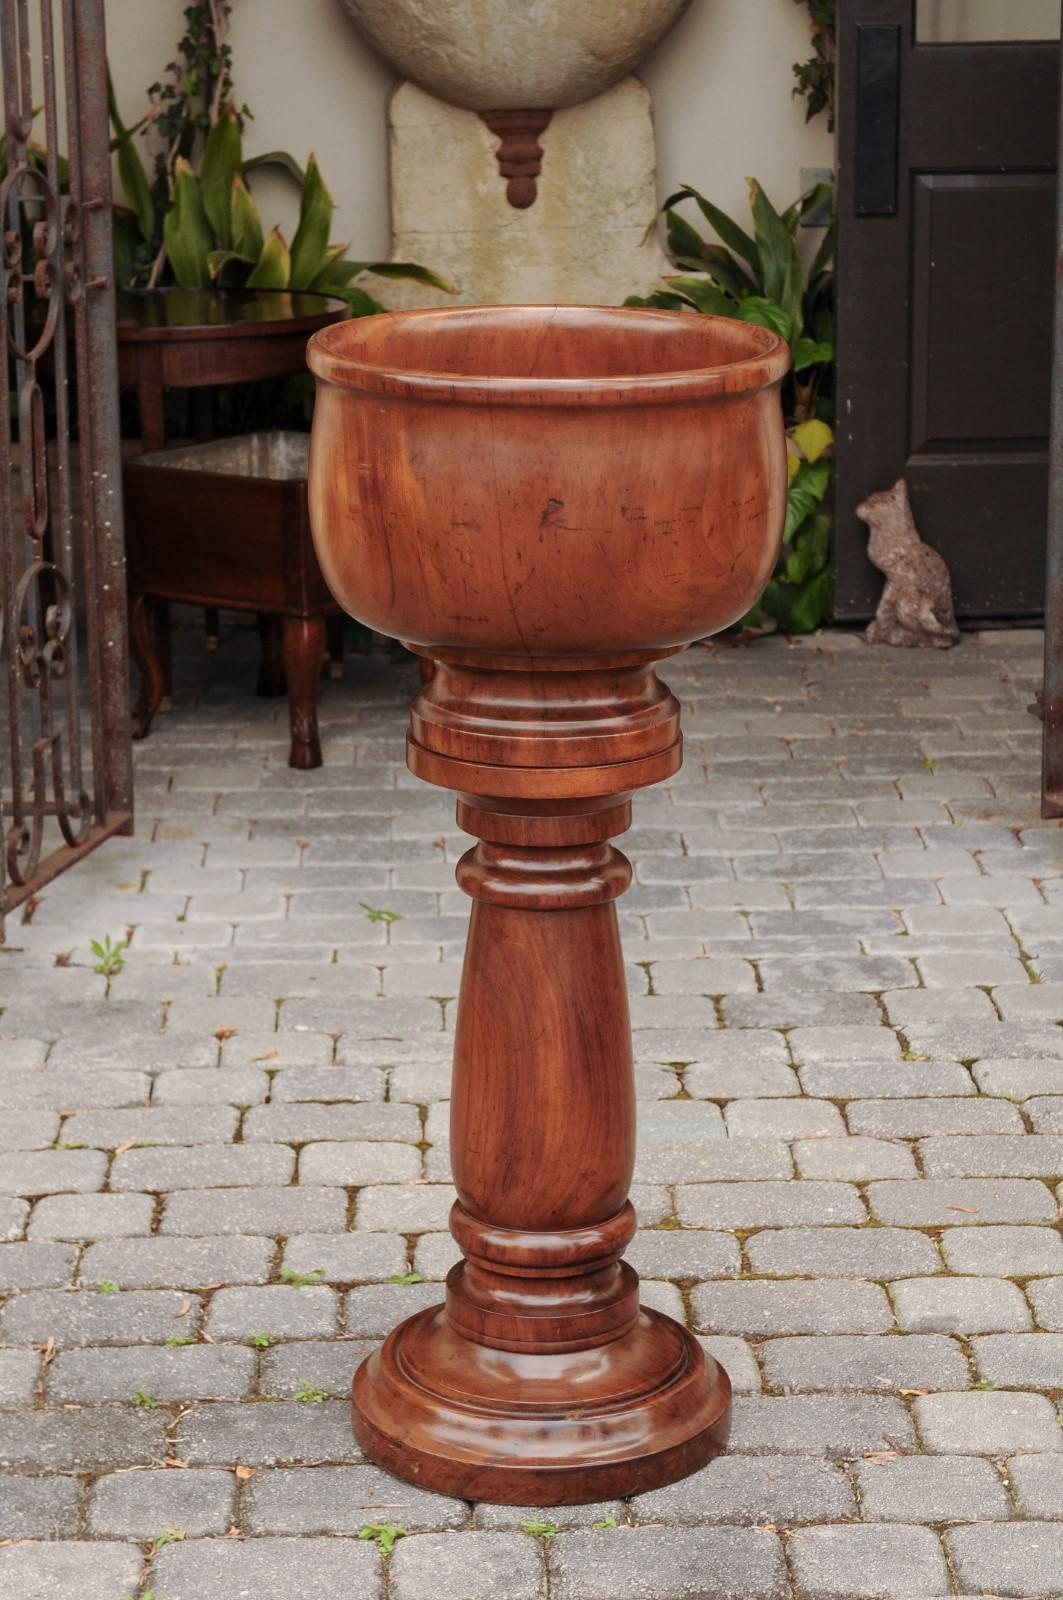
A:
544,501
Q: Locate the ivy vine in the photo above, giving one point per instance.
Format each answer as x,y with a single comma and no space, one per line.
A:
815,77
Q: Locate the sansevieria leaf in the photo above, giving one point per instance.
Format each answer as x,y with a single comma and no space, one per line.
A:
273,268
222,155
245,221
186,232
131,169
310,245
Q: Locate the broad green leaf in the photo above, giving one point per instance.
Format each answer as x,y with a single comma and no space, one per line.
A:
218,260
811,353
683,238
337,273
732,235
765,313
408,269
361,304
825,254
660,300
812,438
273,268
706,295
780,263
805,493
310,245
816,540
807,202
221,164
185,230
276,158
796,565
135,184
246,225
803,609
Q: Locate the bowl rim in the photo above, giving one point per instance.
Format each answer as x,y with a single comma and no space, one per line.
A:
763,368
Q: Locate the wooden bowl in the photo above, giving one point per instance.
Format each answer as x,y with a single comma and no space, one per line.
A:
547,481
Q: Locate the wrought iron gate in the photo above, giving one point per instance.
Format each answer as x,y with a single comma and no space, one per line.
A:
65,758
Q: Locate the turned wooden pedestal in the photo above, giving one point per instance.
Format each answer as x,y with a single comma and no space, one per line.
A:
613,489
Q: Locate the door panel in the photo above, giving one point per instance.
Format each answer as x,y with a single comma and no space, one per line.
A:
981,309
944,314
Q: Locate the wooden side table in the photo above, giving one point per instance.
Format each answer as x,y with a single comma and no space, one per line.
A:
225,524
197,339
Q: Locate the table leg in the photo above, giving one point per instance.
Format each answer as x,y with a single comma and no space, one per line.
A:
152,681
271,677
304,651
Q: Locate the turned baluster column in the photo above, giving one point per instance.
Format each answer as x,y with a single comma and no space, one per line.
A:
541,1381
543,1110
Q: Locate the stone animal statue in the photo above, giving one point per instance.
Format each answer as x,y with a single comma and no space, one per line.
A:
916,605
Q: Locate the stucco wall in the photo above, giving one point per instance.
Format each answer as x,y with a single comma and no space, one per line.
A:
720,84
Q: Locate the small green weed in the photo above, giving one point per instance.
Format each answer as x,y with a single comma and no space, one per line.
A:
605,1522
406,1277
383,1535
930,765
261,1341
984,1383
147,1401
380,913
68,1144
110,956
167,1536
299,1280
538,1529
175,1339
105,1286
309,1394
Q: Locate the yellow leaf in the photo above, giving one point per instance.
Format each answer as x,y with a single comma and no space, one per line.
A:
793,462
812,437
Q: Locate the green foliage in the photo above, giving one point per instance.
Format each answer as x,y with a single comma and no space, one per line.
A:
380,913
605,1522
212,233
110,958
105,1286
406,1278
261,1341
309,1393
759,277
299,1280
146,1400
383,1535
175,1340
193,221
538,1529
815,77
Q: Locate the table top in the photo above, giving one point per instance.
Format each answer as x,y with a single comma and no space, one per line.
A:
162,315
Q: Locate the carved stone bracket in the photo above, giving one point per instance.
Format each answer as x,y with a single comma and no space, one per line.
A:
519,154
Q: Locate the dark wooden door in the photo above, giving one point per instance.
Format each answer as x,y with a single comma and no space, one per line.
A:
945,272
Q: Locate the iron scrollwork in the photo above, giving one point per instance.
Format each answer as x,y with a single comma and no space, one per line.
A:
67,779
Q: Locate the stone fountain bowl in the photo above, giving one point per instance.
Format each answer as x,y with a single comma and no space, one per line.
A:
492,55
542,482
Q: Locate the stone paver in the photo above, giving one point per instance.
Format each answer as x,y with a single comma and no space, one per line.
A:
845,952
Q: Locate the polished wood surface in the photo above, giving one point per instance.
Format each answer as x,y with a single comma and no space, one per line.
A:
212,538
544,501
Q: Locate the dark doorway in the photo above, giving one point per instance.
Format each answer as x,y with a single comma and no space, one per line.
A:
946,197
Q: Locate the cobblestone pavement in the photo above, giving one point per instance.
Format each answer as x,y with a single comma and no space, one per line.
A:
845,946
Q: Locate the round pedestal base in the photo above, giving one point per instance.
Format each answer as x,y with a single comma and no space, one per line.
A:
540,1430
